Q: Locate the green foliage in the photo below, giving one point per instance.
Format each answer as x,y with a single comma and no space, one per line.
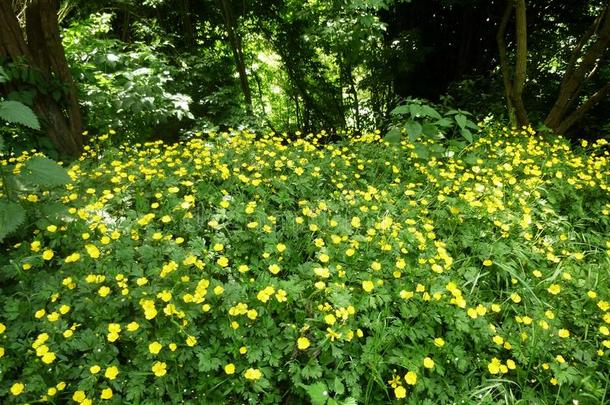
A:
124,85
33,175
18,113
237,267
419,118
12,215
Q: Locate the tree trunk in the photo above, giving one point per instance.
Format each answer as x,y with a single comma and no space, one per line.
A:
238,55
581,67
514,83
44,53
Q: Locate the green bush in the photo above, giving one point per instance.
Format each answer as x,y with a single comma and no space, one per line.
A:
123,85
236,268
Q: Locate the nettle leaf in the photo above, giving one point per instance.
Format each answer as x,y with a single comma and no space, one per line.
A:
42,171
461,120
12,215
400,110
18,113
465,132
430,112
393,135
414,129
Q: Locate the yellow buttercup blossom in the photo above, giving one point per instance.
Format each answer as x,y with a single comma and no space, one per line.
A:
253,374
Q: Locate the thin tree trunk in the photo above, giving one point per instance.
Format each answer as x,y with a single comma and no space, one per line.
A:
44,52
583,109
504,66
520,63
237,52
514,84
577,73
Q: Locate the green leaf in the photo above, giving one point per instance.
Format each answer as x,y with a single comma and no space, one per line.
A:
430,130
12,215
414,129
393,135
400,110
42,171
465,132
416,110
18,113
3,75
421,151
339,388
1,143
444,122
431,112
461,120
318,393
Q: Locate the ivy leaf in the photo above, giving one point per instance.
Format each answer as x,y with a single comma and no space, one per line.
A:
18,113
12,215
42,171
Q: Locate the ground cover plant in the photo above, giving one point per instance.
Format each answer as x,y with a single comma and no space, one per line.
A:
236,267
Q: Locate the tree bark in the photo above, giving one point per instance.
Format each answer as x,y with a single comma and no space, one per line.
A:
238,55
44,53
514,83
578,73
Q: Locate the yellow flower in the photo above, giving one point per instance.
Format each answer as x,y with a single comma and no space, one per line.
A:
155,347
103,291
230,368
494,366
428,362
48,254
79,396
92,251
274,269
411,378
95,369
17,388
191,341
368,286
106,393
159,369
563,333
253,374
554,289
330,319
111,372
439,342
280,247
133,326
303,343
400,392
48,358
487,263
222,261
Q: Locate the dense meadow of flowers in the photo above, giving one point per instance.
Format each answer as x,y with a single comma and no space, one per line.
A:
235,268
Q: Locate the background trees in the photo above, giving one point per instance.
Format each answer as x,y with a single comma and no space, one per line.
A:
163,68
